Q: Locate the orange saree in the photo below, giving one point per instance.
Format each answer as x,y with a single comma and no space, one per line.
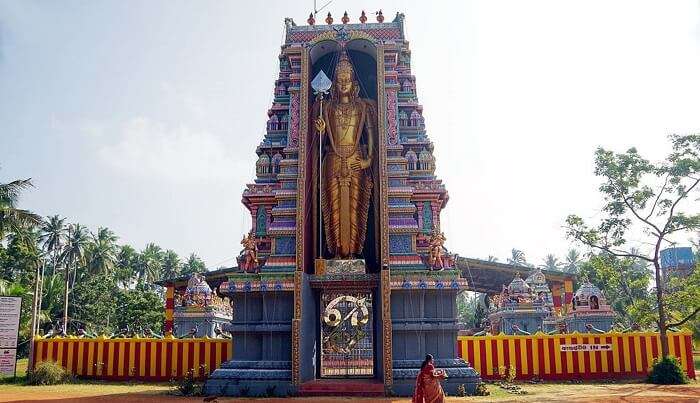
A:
428,389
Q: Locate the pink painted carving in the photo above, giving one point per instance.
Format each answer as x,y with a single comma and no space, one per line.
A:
392,134
294,121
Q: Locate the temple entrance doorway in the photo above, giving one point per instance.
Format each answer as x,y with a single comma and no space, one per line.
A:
346,334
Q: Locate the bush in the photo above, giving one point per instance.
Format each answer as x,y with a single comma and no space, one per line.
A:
481,390
188,386
667,371
48,373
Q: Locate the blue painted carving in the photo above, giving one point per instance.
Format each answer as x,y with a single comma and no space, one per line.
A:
427,217
400,244
285,245
261,222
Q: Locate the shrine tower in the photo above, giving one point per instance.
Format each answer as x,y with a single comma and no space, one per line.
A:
305,311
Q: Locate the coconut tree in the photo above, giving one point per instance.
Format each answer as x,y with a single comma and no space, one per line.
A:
73,255
102,252
53,236
194,265
573,261
127,260
517,257
150,263
171,264
551,262
12,218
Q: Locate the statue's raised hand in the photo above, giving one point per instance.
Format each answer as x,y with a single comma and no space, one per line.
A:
320,125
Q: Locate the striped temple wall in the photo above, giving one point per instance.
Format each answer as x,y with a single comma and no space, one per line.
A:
608,355
134,358
618,355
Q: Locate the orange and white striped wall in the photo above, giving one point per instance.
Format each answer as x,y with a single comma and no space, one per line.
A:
134,358
584,356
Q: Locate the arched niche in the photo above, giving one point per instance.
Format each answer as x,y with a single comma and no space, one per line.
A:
324,55
363,55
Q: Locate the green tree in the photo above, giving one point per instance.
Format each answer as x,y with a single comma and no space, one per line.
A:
73,256
93,303
573,261
127,260
101,252
171,264
53,235
150,263
551,262
193,265
21,257
646,196
141,307
11,217
517,257
51,299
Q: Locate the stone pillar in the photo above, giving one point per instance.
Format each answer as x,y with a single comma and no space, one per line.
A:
253,218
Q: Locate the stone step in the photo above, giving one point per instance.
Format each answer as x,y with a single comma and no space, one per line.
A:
342,387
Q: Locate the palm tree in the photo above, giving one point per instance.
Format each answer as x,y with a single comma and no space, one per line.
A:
127,259
150,263
12,218
517,257
193,265
53,235
102,252
171,264
492,259
73,255
573,261
551,263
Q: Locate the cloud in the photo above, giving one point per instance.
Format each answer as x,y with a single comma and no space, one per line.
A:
176,154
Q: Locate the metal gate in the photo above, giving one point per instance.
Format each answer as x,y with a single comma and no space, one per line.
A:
346,334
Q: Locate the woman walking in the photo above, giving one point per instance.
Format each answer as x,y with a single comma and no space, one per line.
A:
428,389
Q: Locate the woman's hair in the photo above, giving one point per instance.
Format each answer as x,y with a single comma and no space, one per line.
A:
428,358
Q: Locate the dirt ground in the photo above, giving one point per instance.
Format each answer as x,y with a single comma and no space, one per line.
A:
133,393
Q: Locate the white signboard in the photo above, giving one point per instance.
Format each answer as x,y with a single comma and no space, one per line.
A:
8,356
9,321
586,347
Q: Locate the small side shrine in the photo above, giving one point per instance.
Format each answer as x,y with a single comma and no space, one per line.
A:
198,311
589,311
523,307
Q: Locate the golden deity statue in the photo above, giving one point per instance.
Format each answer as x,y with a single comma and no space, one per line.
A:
346,179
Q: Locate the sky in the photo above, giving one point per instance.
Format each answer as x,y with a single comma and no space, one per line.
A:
143,116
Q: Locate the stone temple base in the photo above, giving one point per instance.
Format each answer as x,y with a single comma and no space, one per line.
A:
251,378
458,373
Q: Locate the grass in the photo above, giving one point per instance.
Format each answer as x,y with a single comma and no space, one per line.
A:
696,362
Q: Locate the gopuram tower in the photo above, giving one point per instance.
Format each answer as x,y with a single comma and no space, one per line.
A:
344,278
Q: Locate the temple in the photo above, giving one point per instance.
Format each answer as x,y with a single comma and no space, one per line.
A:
344,284
363,297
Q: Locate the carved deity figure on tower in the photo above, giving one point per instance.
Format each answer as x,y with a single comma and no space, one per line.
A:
248,260
347,128
435,251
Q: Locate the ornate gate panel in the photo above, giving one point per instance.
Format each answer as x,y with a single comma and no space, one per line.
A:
347,348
